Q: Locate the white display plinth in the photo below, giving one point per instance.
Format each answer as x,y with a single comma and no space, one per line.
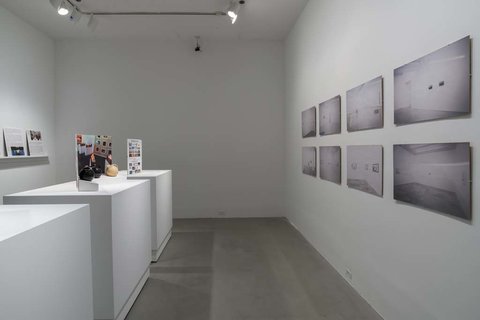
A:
45,263
161,198
120,235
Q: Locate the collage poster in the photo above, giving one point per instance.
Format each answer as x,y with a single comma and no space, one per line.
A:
134,156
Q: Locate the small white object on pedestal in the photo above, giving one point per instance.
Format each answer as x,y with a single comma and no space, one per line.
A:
45,262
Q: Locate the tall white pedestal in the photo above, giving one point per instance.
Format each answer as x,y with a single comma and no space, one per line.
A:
45,263
161,204
120,235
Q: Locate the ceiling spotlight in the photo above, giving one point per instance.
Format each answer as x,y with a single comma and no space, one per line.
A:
63,9
233,9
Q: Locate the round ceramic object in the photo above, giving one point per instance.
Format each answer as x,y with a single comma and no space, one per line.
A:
112,170
98,172
86,174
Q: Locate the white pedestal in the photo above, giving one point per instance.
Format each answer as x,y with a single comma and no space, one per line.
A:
161,198
120,235
45,263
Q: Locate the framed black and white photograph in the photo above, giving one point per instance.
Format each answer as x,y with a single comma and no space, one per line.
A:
365,169
309,161
331,164
309,123
365,106
436,86
435,176
329,121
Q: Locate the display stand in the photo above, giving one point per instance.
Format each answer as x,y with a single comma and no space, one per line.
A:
45,262
120,236
87,186
161,198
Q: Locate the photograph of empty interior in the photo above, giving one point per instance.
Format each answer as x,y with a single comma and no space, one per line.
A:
309,161
330,164
329,117
365,106
434,176
309,123
365,169
436,86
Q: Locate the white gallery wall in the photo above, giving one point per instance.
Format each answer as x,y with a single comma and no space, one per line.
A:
407,262
214,118
26,99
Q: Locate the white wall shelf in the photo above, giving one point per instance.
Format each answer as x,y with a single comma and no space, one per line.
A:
22,158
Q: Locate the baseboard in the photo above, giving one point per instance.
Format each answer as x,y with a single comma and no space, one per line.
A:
133,296
156,253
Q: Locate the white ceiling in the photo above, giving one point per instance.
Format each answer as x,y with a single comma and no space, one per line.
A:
258,19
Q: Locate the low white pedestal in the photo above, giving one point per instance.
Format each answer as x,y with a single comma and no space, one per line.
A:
45,263
161,203
121,240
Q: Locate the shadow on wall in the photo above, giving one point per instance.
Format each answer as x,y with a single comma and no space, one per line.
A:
12,163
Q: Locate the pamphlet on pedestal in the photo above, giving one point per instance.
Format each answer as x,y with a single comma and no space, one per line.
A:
134,158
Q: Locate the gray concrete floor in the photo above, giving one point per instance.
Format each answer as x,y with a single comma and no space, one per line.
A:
245,269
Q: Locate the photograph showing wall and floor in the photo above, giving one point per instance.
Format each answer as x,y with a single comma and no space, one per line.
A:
365,169
365,106
434,176
436,86
309,161
309,123
329,117
330,164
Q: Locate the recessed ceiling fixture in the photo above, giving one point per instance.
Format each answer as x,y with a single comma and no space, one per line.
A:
74,13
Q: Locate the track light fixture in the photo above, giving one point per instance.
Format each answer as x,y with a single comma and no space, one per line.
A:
74,13
63,7
63,10
232,11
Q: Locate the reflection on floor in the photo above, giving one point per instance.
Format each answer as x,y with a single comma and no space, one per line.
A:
409,115
362,185
430,197
245,269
